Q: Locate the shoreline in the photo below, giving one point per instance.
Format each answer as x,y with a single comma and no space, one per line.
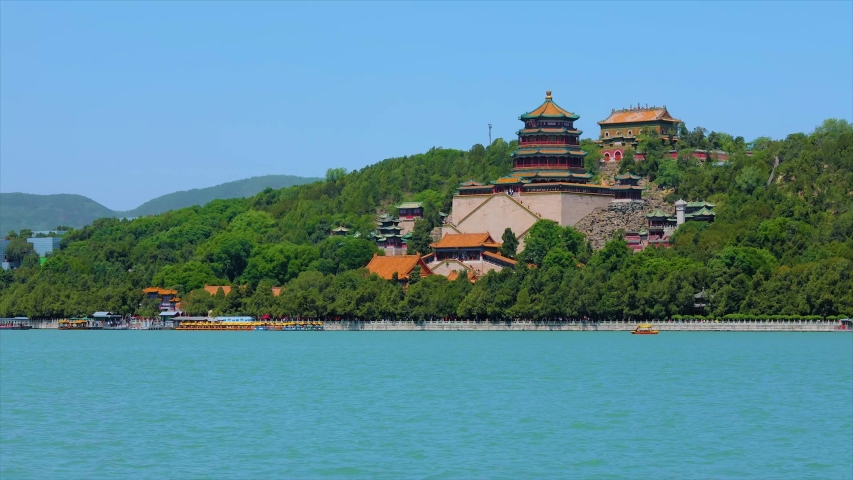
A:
567,326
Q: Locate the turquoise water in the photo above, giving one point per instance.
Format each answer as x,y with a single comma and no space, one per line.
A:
123,404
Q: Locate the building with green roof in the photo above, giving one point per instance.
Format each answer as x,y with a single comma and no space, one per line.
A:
410,210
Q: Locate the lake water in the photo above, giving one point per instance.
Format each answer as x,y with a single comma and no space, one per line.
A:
124,404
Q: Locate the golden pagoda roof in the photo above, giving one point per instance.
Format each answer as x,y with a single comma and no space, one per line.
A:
549,109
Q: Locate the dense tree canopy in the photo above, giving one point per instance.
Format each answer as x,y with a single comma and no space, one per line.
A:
780,245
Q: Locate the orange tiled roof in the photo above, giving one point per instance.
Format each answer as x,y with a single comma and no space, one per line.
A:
212,289
276,291
472,277
637,115
402,265
500,257
159,291
549,108
461,240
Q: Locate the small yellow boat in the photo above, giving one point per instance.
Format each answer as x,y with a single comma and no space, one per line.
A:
644,329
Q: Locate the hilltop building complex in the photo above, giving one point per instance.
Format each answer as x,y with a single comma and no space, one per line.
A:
661,225
473,253
548,181
620,130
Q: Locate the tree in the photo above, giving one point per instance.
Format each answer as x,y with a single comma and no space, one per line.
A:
421,240
593,157
433,203
667,174
509,247
541,238
279,262
234,300
546,235
228,253
750,178
415,275
335,174
191,275
18,248
628,164
344,253
262,301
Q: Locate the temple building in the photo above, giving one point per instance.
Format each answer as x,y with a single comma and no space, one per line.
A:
661,225
401,265
410,211
548,181
620,130
340,231
167,299
627,188
477,253
389,235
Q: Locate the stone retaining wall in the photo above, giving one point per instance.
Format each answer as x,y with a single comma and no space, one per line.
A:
580,326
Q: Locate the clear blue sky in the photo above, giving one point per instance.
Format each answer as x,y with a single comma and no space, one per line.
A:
125,101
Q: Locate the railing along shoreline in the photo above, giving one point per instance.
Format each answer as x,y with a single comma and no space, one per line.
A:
569,324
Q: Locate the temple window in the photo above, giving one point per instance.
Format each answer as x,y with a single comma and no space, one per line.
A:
630,133
606,134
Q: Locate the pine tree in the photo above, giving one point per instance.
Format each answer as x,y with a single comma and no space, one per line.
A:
510,243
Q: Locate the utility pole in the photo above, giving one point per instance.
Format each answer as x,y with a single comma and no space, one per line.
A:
490,134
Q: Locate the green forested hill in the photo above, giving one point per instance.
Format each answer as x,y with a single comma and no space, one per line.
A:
200,196
783,248
42,212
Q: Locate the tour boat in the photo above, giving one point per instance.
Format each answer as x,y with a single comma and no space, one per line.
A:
74,324
644,329
15,326
250,325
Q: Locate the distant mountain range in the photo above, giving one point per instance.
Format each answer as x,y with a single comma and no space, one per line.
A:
44,212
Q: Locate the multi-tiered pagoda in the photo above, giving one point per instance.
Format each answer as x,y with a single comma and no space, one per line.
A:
548,159
389,236
549,140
